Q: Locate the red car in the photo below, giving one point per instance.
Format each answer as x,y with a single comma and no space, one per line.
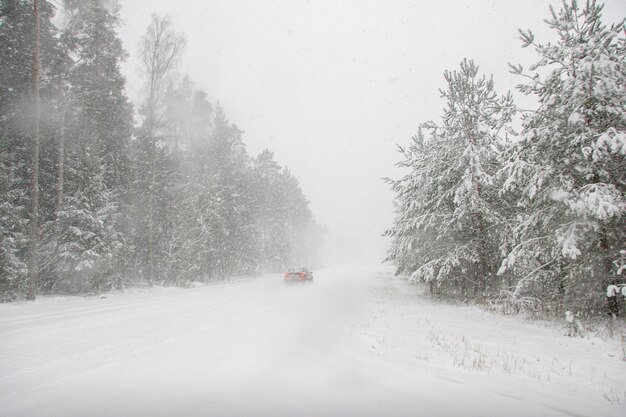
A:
298,275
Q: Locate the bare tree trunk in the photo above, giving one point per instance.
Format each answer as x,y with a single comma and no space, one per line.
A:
463,286
33,264
151,191
60,165
483,275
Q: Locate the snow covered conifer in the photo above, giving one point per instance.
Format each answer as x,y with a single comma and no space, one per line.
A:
448,215
16,121
97,124
270,213
84,242
12,233
569,167
228,164
298,220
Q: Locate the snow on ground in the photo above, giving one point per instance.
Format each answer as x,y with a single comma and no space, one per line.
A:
355,342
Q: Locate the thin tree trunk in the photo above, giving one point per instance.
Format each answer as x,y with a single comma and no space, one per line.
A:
605,255
151,186
481,281
160,51
151,212
60,166
150,121
33,264
463,286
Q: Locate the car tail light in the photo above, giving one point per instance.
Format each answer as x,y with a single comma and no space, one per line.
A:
301,274
286,274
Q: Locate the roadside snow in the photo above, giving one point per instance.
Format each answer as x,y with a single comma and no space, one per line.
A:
355,342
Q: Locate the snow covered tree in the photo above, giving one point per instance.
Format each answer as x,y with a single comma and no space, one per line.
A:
179,201
12,232
569,167
98,96
97,123
229,168
298,222
85,239
192,208
16,130
187,119
446,229
161,49
271,213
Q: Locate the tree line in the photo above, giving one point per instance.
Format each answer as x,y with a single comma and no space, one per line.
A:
162,194
523,209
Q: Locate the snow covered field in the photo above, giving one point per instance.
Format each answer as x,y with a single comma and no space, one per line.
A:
355,342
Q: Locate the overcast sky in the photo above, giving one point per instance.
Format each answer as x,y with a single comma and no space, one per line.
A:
332,86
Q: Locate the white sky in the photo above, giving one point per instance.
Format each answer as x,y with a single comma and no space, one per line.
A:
332,86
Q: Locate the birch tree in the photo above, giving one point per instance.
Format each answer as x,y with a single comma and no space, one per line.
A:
161,48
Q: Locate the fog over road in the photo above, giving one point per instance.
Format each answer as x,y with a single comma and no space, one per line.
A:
355,342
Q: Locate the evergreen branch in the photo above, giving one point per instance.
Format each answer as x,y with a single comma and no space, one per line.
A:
522,281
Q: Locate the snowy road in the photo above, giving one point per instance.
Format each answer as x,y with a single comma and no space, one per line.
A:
356,342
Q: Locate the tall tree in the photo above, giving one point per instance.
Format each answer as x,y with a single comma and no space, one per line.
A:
207,203
102,114
191,208
448,214
83,239
569,167
271,214
161,49
33,264
298,220
228,166
17,131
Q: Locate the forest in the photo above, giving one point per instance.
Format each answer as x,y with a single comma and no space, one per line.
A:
97,194
523,209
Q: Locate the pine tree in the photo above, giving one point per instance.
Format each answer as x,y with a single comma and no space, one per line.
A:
229,165
181,201
16,121
190,244
98,96
271,213
87,241
13,240
298,220
448,207
569,168
97,122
